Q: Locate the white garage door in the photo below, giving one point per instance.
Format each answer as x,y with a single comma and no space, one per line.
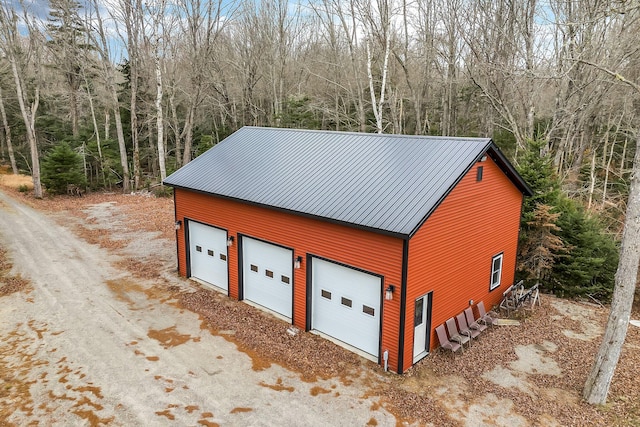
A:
346,305
208,254
267,275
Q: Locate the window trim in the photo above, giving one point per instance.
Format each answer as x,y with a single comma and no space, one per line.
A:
494,285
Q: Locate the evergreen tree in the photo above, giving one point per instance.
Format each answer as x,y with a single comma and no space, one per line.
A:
560,243
61,168
590,265
535,165
536,233
542,247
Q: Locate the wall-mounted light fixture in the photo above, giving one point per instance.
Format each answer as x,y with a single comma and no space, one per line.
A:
298,262
230,240
470,302
178,224
483,158
388,293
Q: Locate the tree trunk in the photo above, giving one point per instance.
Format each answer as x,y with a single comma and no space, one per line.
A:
7,134
28,115
176,127
599,380
376,104
592,179
134,129
73,98
160,120
96,129
188,138
126,184
107,123
110,84
132,13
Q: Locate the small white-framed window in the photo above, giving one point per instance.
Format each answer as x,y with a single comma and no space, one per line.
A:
496,271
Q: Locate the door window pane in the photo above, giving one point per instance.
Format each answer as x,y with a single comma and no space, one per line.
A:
417,320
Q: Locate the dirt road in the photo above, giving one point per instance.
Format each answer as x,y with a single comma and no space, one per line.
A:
88,345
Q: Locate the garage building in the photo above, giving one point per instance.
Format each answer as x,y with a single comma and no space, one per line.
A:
369,240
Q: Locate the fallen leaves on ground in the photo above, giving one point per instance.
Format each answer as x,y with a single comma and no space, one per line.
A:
9,283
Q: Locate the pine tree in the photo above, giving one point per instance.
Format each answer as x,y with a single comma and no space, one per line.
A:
535,166
537,246
590,265
62,167
539,252
560,243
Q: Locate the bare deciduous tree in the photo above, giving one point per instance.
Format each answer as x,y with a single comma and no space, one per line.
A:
7,135
101,42
20,58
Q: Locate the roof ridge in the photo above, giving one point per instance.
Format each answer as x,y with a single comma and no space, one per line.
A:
371,134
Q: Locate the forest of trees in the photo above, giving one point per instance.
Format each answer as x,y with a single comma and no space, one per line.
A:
127,91
140,88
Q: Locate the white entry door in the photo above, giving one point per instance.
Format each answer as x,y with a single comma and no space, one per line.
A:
346,305
208,254
267,275
421,327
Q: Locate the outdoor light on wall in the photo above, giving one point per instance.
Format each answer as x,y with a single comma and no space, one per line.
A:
470,302
483,158
230,240
388,293
178,224
298,262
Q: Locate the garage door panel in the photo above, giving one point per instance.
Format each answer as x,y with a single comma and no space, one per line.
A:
346,304
208,254
268,275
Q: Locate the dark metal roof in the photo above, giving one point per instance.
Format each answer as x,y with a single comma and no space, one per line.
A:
385,183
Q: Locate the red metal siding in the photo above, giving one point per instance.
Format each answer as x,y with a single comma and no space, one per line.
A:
451,253
369,251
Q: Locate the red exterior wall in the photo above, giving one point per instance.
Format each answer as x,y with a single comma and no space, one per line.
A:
369,251
451,254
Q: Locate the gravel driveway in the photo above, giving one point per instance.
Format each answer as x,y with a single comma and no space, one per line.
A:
89,345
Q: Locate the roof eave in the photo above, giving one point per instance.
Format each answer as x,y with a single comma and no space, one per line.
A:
391,233
503,163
